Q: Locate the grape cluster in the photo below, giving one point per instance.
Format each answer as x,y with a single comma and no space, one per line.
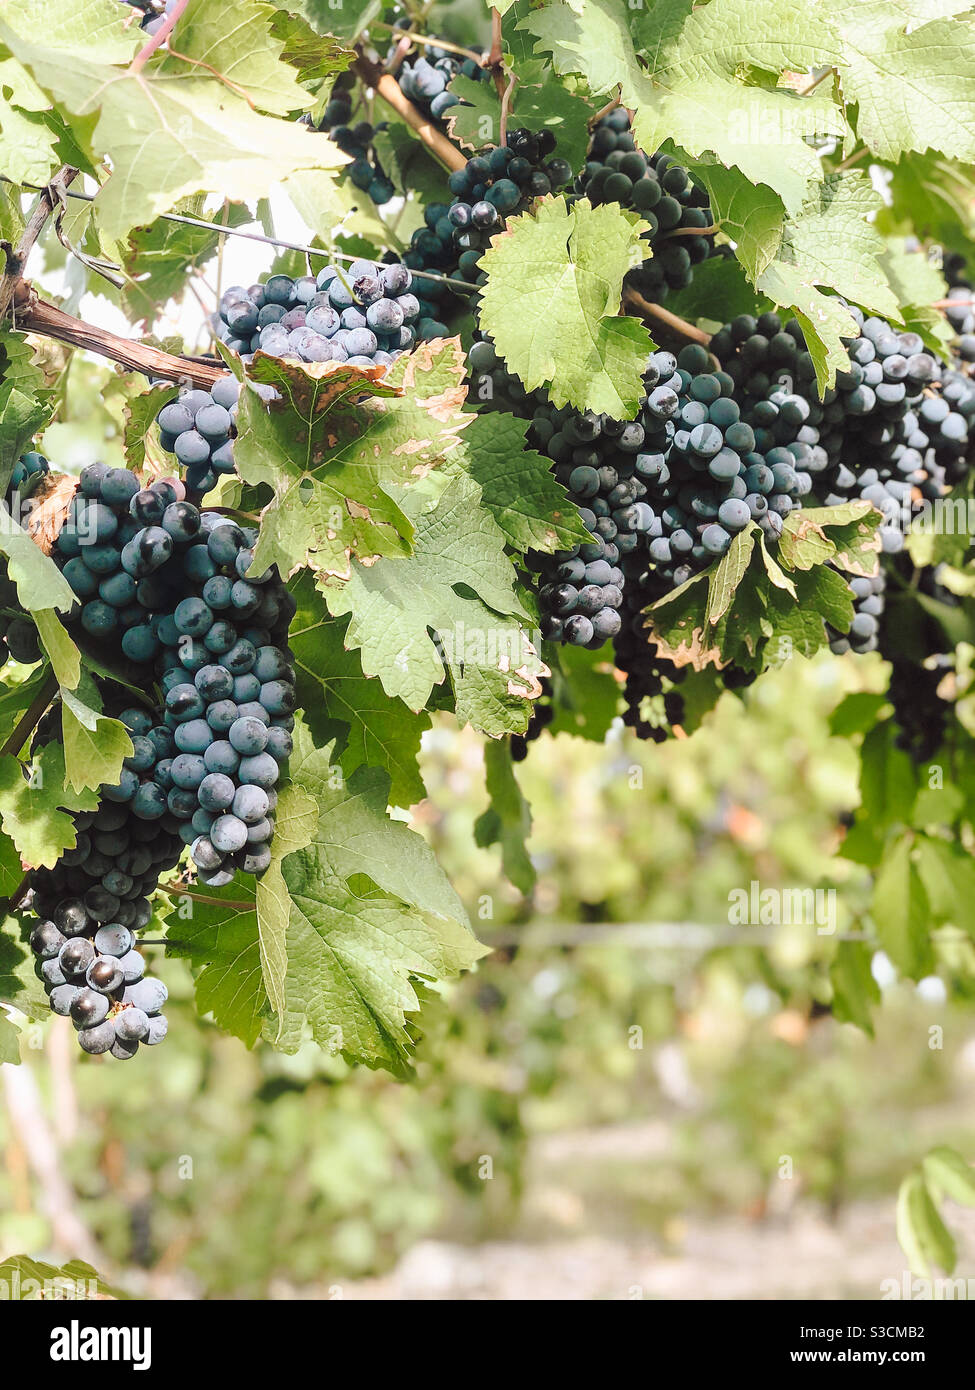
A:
365,171
176,584
595,458
90,906
894,428
18,636
423,80
199,428
869,598
495,184
653,701
662,192
362,313
960,313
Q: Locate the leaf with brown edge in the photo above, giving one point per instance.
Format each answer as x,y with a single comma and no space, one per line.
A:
49,509
338,443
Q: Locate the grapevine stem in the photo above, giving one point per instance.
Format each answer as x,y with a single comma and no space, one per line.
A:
29,719
17,255
176,891
604,110
676,325
425,41
950,303
19,894
811,86
389,89
221,230
493,61
169,23
36,316
692,231
505,108
852,159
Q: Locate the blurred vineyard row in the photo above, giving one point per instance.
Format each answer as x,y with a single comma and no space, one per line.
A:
703,1059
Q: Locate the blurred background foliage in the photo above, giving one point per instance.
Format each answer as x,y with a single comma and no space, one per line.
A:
602,1072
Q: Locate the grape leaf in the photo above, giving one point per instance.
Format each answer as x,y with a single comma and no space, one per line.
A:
551,304
913,83
203,135
220,940
27,1279
244,52
831,243
718,293
141,432
901,912
161,257
854,987
531,507
585,693
95,746
331,458
33,806
316,56
507,821
694,83
752,217
342,706
921,1233
345,20
352,948
459,585
918,284
536,106
40,584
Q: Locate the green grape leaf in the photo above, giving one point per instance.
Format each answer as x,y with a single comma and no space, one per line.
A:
246,54
947,1174
901,911
918,284
410,165
219,937
805,541
752,217
551,304
345,21
921,1233
204,135
459,585
40,584
28,1279
95,746
831,243
34,803
332,457
585,693
141,431
535,106
162,257
718,293
855,990
948,876
913,83
517,485
341,705
316,56
62,653
21,417
690,76
507,821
